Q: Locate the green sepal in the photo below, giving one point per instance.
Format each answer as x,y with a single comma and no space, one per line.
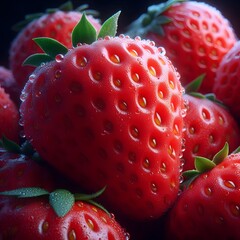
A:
237,150
25,192
194,85
65,7
37,59
221,155
109,27
9,145
61,201
83,32
203,164
152,20
189,177
51,46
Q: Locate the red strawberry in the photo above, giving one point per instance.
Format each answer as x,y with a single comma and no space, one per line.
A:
227,81
108,113
195,35
9,117
24,218
208,126
9,84
210,207
56,23
18,170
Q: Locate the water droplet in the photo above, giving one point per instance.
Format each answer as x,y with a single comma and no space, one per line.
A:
162,50
137,38
32,77
59,57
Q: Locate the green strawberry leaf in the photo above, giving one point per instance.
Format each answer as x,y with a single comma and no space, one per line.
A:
109,27
221,155
203,164
83,32
37,59
87,197
25,192
9,145
194,85
62,201
189,177
51,46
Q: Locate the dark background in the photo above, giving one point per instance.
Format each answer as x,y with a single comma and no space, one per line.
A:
14,11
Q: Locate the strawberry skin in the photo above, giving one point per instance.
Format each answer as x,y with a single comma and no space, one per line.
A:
9,84
109,114
227,84
25,218
208,126
196,33
9,117
58,25
209,208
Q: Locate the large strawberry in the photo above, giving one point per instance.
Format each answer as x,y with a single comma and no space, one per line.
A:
108,113
195,35
208,124
227,82
57,23
209,208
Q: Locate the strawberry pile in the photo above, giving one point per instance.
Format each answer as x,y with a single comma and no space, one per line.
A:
130,134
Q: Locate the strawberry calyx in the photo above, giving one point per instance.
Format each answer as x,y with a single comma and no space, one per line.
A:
203,165
83,33
193,87
65,7
152,20
25,148
61,200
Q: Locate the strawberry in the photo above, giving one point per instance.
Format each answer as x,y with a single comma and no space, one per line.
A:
208,126
195,32
18,168
227,85
9,117
209,207
67,218
57,23
9,84
108,112
28,218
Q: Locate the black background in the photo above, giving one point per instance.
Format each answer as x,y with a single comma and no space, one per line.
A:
14,11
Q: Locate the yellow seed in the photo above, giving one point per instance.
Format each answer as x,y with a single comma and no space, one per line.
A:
115,59
72,235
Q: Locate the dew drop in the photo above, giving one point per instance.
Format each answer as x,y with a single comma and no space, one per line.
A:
162,50
32,77
59,57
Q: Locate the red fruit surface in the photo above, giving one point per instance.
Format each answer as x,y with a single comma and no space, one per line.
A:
18,171
57,25
208,127
34,218
9,84
209,208
109,114
9,117
196,39
227,81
